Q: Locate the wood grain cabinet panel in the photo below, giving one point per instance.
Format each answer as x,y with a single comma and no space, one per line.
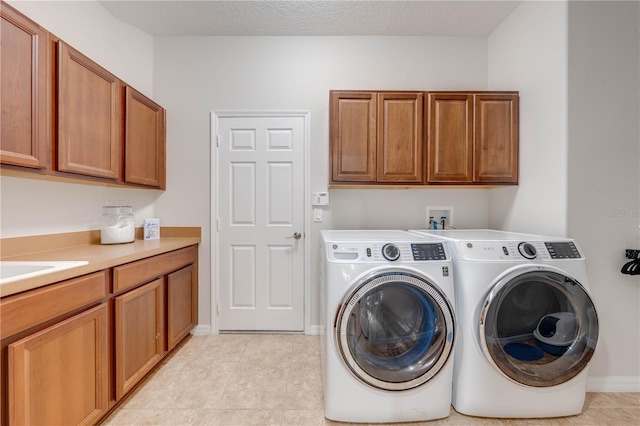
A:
353,136
182,304
24,122
25,310
89,110
473,137
450,137
139,334
59,376
134,273
376,137
144,140
496,138
400,154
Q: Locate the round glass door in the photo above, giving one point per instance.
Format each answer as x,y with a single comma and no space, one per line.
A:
538,327
395,331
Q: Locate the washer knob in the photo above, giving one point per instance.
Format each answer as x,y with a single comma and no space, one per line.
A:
527,250
391,252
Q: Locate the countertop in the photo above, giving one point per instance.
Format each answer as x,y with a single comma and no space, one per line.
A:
86,246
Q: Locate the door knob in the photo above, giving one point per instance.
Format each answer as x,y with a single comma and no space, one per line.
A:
296,235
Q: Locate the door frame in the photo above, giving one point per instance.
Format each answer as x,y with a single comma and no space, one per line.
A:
214,185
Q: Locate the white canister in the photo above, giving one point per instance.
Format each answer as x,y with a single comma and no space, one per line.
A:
117,225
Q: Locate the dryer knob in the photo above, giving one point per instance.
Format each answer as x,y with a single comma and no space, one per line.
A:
391,252
527,250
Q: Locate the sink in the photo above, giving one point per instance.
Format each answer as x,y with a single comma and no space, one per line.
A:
14,270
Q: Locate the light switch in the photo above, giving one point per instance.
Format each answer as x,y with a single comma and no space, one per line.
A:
317,215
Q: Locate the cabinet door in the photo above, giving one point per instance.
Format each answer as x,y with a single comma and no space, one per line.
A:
450,139
496,138
24,133
60,375
89,116
400,154
182,304
139,318
353,136
144,140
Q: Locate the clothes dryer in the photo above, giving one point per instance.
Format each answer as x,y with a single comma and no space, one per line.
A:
527,325
389,326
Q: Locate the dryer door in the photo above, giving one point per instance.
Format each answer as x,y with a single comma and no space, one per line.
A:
395,331
538,326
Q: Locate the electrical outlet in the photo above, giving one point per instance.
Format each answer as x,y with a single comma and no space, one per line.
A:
438,214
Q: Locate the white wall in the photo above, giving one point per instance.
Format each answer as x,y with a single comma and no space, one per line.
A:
33,207
122,49
603,173
197,75
579,81
528,52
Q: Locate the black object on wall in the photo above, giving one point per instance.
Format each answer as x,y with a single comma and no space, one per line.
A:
632,267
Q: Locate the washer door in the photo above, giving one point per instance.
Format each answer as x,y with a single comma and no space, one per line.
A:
395,331
538,327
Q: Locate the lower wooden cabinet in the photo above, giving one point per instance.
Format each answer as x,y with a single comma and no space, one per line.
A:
72,350
59,376
157,307
182,304
139,334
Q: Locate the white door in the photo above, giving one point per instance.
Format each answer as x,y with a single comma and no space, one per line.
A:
260,206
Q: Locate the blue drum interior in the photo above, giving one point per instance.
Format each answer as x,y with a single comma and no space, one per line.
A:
396,332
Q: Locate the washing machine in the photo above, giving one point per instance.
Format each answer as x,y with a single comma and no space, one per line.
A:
527,325
388,326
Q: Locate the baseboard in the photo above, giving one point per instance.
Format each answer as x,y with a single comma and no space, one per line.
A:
206,330
314,330
202,330
614,384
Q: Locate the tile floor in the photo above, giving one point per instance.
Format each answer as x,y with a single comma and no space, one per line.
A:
244,379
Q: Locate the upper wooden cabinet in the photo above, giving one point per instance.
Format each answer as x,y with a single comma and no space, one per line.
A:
473,138
400,137
144,140
496,133
64,115
450,147
89,112
376,137
24,122
353,133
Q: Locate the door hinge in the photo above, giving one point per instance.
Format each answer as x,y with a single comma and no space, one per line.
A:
218,309
218,141
217,224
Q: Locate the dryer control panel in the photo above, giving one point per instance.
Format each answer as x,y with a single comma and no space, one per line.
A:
386,252
517,250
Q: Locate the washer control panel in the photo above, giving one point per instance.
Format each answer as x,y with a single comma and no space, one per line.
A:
563,250
430,251
404,252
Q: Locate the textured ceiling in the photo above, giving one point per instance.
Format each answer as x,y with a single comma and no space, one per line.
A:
312,17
